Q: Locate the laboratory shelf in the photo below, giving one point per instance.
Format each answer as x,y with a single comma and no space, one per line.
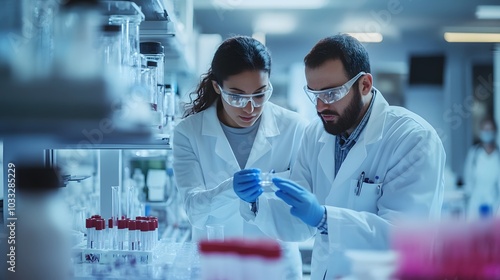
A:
69,113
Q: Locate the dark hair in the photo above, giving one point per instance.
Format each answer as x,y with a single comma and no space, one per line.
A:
350,51
486,120
235,55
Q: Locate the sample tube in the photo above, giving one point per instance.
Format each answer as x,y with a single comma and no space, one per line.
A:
132,235
151,233
144,236
115,203
112,235
99,233
122,230
89,225
154,238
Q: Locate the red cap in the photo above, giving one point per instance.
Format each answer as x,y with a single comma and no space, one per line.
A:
132,225
217,246
110,223
99,224
96,216
268,249
89,223
144,226
152,225
122,224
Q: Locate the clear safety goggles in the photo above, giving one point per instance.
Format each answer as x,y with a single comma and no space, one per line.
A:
240,100
330,95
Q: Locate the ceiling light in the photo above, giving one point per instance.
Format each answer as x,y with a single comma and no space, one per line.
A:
488,12
373,37
457,37
275,23
269,4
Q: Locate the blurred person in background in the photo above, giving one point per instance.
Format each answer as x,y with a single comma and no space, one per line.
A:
363,166
231,126
481,172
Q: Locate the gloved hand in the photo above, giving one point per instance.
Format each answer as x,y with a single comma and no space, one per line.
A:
246,184
304,204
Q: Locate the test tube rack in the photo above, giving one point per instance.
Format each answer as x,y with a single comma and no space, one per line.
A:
84,255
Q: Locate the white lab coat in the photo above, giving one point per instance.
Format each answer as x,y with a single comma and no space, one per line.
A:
204,165
482,181
396,145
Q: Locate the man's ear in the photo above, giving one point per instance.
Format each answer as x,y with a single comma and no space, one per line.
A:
366,84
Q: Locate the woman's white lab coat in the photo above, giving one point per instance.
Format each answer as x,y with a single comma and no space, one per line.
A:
396,145
204,165
482,181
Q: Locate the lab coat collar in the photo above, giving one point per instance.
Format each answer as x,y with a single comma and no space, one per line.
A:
371,134
268,128
211,127
375,126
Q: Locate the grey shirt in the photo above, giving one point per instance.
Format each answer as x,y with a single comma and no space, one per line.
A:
241,140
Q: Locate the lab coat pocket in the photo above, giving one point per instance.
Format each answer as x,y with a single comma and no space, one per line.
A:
365,199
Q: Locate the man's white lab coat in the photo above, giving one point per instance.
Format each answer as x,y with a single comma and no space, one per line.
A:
398,146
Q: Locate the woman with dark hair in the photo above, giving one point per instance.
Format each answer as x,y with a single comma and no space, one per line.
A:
231,126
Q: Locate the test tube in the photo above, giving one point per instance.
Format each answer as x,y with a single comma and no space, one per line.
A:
151,233
122,230
144,236
112,234
99,233
115,203
132,235
89,224
155,234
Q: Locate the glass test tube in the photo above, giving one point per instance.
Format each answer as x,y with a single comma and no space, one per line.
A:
89,224
144,236
121,234
112,235
132,235
115,204
99,234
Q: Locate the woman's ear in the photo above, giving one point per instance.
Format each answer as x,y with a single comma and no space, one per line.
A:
215,86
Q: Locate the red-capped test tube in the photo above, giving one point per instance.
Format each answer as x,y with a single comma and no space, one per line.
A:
99,233
112,235
89,225
121,234
144,238
154,221
132,235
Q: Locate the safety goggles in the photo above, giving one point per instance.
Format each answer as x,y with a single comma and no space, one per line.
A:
240,100
330,95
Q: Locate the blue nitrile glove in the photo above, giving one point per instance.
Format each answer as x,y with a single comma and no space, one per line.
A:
304,204
246,184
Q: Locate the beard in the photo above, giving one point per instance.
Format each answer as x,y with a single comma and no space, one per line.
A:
349,118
